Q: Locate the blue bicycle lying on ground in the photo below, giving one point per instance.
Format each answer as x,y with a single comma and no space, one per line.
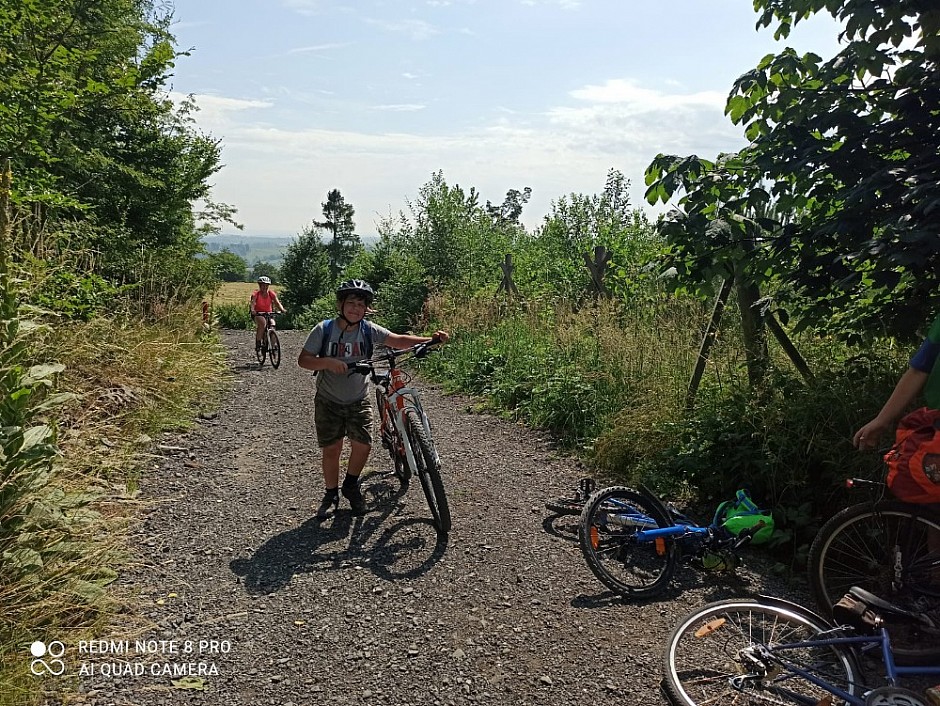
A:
633,542
770,651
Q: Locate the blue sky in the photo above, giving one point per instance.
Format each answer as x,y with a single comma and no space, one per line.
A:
373,96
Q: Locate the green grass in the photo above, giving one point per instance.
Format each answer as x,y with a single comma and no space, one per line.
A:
131,379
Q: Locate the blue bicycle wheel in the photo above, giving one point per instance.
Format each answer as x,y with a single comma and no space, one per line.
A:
607,533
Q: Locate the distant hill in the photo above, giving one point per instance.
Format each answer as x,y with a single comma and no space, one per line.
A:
261,248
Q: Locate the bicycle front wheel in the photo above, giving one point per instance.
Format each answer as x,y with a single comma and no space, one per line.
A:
274,349
891,549
607,533
429,472
736,652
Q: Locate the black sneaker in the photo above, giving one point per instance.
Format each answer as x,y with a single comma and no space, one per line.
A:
352,493
329,504
257,345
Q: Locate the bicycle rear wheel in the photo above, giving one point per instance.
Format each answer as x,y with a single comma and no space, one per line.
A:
429,472
565,506
607,532
274,349
891,549
734,652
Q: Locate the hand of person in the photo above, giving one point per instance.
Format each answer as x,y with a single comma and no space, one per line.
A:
869,435
441,336
335,365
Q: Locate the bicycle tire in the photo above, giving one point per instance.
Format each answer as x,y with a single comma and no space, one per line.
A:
723,653
633,570
274,349
565,506
429,472
864,545
392,441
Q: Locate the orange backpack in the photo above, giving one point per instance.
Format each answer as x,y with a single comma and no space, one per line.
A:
914,460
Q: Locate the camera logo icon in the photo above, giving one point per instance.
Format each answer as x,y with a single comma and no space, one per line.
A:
47,658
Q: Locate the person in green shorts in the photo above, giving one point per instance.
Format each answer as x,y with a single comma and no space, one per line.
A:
343,406
923,373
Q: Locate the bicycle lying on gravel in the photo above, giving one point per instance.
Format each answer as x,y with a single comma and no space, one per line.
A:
770,651
574,504
884,546
405,428
633,542
270,343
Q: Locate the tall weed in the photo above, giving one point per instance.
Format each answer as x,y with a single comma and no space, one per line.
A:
62,513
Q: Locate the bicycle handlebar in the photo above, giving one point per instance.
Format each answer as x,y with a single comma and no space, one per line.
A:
747,535
419,350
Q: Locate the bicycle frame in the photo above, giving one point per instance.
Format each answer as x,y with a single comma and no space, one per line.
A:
682,527
399,398
881,639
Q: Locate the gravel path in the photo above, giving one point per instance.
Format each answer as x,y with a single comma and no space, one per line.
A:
278,609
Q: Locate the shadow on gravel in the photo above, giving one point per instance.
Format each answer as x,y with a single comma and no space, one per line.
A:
717,586
562,526
405,549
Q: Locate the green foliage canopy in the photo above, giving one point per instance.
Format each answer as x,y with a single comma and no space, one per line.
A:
848,150
338,222
228,266
305,270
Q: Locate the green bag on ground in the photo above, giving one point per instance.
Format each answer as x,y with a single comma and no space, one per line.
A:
742,513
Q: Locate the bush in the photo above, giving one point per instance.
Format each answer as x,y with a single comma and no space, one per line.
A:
73,296
232,316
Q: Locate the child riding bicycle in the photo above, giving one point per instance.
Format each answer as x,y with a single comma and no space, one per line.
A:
342,406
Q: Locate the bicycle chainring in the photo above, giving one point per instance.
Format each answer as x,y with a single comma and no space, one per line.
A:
894,696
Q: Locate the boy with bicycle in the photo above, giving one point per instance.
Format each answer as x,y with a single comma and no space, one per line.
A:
343,406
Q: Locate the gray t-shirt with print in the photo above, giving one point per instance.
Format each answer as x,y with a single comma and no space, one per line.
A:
348,346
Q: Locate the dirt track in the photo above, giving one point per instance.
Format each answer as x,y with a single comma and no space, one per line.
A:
371,610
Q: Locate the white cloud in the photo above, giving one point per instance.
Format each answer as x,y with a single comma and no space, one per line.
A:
316,48
304,7
417,29
563,4
276,176
627,92
400,107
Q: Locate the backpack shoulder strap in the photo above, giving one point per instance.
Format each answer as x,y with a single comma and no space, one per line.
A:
367,336
324,345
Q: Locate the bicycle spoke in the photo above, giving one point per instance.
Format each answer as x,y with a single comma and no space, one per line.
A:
734,652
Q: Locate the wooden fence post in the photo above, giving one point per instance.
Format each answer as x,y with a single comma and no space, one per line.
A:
506,284
707,340
597,267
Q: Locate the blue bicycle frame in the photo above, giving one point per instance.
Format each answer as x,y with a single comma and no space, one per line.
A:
880,639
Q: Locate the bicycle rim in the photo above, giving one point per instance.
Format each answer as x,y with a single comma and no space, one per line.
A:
274,349
891,549
429,473
733,652
607,530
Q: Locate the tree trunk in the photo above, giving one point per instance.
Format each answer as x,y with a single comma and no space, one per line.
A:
754,332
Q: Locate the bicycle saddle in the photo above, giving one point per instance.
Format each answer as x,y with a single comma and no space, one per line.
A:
873,601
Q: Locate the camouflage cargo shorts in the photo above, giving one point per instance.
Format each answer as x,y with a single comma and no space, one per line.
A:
334,421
